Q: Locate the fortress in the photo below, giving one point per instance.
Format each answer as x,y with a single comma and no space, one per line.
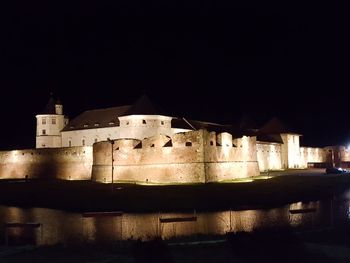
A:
139,143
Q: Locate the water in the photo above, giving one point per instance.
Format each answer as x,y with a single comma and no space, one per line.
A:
61,227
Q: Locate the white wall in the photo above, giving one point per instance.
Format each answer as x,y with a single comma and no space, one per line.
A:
269,156
312,155
130,127
89,135
291,151
144,126
48,131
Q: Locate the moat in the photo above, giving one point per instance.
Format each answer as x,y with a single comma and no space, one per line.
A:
303,216
61,212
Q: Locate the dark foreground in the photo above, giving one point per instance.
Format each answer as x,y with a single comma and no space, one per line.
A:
90,196
280,246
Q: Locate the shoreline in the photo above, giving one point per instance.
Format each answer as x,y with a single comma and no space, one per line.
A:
90,196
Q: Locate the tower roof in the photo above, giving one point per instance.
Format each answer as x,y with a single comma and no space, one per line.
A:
272,130
50,106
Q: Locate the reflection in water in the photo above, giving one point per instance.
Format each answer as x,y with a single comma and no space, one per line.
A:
64,227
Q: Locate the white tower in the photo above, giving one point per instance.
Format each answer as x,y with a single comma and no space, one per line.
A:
49,124
144,120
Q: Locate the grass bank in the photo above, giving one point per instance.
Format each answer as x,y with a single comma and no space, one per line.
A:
90,196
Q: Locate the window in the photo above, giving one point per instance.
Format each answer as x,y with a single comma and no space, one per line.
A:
83,142
43,121
144,122
162,122
188,143
54,121
44,132
70,143
95,139
127,123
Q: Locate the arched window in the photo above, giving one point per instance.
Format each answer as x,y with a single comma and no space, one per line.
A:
70,143
83,142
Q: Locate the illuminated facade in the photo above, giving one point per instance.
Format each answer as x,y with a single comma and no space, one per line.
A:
141,144
138,121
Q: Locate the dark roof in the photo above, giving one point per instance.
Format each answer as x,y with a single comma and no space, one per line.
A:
272,130
50,106
275,126
144,106
100,118
182,123
275,138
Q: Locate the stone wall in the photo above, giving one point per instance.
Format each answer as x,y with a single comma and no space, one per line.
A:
191,157
226,158
344,157
312,155
269,156
72,163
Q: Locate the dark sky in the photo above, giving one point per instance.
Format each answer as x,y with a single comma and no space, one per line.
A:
208,60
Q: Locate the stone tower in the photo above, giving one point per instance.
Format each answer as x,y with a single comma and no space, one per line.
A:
144,119
49,124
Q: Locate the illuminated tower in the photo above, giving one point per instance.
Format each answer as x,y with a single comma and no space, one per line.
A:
49,124
144,120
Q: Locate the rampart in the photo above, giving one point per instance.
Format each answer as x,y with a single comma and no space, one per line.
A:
269,156
190,157
312,156
73,163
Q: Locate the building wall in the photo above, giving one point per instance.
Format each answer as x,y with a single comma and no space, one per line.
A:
290,150
48,130
269,156
312,155
344,154
55,163
90,136
144,126
130,127
226,158
182,158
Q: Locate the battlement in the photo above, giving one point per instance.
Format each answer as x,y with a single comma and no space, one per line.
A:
194,156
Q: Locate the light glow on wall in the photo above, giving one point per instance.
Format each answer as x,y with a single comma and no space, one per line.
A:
14,155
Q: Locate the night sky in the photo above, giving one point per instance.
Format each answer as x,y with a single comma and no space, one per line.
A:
206,60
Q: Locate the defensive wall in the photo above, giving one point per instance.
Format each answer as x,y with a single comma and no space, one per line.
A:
73,163
313,156
270,157
190,157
